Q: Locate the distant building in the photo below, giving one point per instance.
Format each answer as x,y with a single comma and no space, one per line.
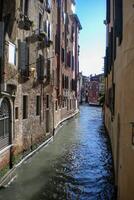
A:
84,83
95,89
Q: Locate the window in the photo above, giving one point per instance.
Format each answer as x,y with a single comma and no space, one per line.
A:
47,102
63,105
38,104
73,8
48,70
48,5
63,81
21,5
56,105
65,102
26,7
47,121
23,58
5,123
73,63
40,21
40,68
119,20
12,54
70,104
25,107
63,55
16,113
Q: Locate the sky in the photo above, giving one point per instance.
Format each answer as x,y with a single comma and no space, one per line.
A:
92,36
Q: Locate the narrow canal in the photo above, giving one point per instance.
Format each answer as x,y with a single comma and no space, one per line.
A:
77,165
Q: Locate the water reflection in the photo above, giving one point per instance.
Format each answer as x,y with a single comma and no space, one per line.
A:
77,165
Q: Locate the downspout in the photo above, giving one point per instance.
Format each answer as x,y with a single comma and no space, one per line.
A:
53,115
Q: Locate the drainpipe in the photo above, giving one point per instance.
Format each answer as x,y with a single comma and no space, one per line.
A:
53,116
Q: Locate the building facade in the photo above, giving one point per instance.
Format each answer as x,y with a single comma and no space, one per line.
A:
83,88
96,89
39,68
119,88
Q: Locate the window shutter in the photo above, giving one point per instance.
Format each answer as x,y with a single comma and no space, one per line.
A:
110,49
40,68
57,44
63,83
72,62
114,48
111,46
1,38
105,66
45,27
108,12
107,61
63,54
48,70
48,31
27,59
22,60
119,19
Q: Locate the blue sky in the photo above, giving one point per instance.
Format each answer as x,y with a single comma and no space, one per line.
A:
92,37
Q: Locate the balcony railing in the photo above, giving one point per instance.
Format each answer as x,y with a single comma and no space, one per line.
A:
24,22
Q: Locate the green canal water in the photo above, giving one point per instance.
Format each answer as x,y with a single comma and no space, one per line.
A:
76,165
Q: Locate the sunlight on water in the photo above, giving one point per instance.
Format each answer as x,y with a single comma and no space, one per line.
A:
76,165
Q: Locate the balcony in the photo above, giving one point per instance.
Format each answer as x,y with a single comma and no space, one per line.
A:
25,23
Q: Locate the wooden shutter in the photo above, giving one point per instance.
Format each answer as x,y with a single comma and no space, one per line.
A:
63,83
108,11
63,55
1,38
57,44
48,70
49,31
27,59
114,48
119,19
72,62
23,58
40,68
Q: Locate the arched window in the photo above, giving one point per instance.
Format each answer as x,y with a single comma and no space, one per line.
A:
5,127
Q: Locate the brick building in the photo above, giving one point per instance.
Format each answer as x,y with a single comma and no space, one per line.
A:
39,69
95,89
93,92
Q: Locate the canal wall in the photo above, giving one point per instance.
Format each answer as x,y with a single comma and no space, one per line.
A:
10,174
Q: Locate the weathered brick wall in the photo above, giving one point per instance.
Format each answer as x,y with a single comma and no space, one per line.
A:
30,131
4,159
